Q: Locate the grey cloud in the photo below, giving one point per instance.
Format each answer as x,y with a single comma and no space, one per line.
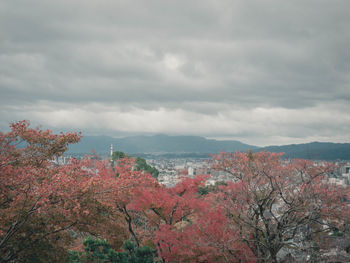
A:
200,58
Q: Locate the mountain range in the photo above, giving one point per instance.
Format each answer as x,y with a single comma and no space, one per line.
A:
185,145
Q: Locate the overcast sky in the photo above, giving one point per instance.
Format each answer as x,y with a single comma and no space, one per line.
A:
260,71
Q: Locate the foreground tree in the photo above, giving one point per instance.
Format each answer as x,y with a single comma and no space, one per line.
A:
270,206
40,201
185,227
275,204
170,215
28,189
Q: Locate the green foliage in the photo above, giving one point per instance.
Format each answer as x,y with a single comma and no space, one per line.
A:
98,250
337,233
204,190
134,254
141,164
118,155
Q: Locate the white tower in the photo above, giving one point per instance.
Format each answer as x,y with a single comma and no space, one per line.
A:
111,151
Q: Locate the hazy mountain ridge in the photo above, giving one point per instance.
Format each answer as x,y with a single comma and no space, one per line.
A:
163,144
313,150
157,144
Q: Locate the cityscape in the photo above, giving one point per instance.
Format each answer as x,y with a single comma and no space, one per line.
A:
173,170
175,131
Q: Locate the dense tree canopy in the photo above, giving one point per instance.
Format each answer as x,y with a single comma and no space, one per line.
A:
278,205
91,211
36,198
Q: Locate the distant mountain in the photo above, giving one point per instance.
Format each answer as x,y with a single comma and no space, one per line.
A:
157,144
199,146
313,151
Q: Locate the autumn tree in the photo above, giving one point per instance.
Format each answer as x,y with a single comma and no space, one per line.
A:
184,226
41,201
171,214
119,192
28,190
269,206
275,204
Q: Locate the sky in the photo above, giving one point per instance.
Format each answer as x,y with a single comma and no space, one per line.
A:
265,72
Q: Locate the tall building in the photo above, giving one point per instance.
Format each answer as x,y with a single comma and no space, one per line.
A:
111,152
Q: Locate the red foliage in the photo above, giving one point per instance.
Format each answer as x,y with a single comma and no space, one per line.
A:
274,203
267,204
32,190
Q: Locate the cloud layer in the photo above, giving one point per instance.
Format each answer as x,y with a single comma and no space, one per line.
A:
264,72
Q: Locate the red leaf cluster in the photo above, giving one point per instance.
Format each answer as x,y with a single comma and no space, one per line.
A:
268,205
